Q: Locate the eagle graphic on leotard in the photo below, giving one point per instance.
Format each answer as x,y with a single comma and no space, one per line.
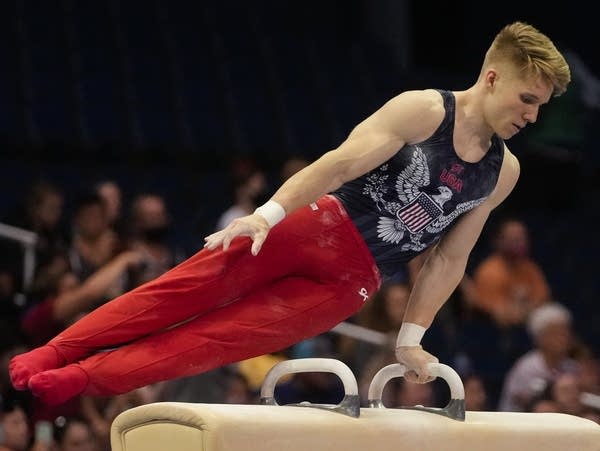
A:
415,212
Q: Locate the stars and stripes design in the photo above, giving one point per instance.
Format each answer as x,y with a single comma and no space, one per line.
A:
418,213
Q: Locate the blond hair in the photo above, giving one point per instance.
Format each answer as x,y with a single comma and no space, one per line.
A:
532,53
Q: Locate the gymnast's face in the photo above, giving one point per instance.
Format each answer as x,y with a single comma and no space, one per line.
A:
513,100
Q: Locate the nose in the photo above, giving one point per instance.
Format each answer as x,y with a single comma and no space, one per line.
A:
531,114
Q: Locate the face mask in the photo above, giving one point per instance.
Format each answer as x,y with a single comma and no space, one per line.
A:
157,234
515,252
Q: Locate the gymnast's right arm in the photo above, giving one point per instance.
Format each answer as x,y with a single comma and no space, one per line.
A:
406,118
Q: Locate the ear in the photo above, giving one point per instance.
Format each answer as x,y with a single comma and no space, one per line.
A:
491,77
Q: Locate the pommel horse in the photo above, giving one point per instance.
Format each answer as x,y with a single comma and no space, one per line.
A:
167,426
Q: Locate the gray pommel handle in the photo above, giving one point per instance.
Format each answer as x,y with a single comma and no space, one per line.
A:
350,405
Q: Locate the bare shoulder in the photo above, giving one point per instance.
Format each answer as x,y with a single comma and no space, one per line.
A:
507,180
425,103
510,164
414,115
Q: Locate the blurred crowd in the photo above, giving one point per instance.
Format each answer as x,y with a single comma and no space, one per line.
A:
514,345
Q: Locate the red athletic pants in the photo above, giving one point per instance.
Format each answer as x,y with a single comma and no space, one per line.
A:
313,271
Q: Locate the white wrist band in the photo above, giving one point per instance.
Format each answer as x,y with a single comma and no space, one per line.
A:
410,335
272,211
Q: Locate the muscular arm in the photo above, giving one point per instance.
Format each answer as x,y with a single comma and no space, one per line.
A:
71,302
445,265
409,117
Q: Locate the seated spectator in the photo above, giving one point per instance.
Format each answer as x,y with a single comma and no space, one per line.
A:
566,392
249,190
291,165
112,197
73,434
150,235
70,298
41,212
509,283
551,330
93,242
476,398
14,425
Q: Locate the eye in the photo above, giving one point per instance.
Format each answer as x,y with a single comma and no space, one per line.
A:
530,100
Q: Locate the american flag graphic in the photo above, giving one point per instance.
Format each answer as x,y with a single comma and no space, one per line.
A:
418,213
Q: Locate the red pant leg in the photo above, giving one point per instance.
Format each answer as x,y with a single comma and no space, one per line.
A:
271,319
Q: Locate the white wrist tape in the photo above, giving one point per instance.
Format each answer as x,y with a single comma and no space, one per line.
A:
410,335
272,211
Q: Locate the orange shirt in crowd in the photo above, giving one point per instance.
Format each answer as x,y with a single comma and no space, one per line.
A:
509,290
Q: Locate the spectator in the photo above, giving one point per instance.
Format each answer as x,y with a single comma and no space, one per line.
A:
509,282
41,213
292,165
93,242
476,398
112,196
70,298
566,392
150,235
73,434
245,193
551,330
249,189
14,426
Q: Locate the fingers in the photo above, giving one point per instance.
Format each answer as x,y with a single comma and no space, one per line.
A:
416,361
258,239
214,240
221,238
411,376
422,377
224,237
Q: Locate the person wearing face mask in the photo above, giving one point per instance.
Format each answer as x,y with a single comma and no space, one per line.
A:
509,283
150,222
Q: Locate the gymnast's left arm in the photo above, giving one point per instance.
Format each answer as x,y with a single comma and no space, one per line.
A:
441,273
